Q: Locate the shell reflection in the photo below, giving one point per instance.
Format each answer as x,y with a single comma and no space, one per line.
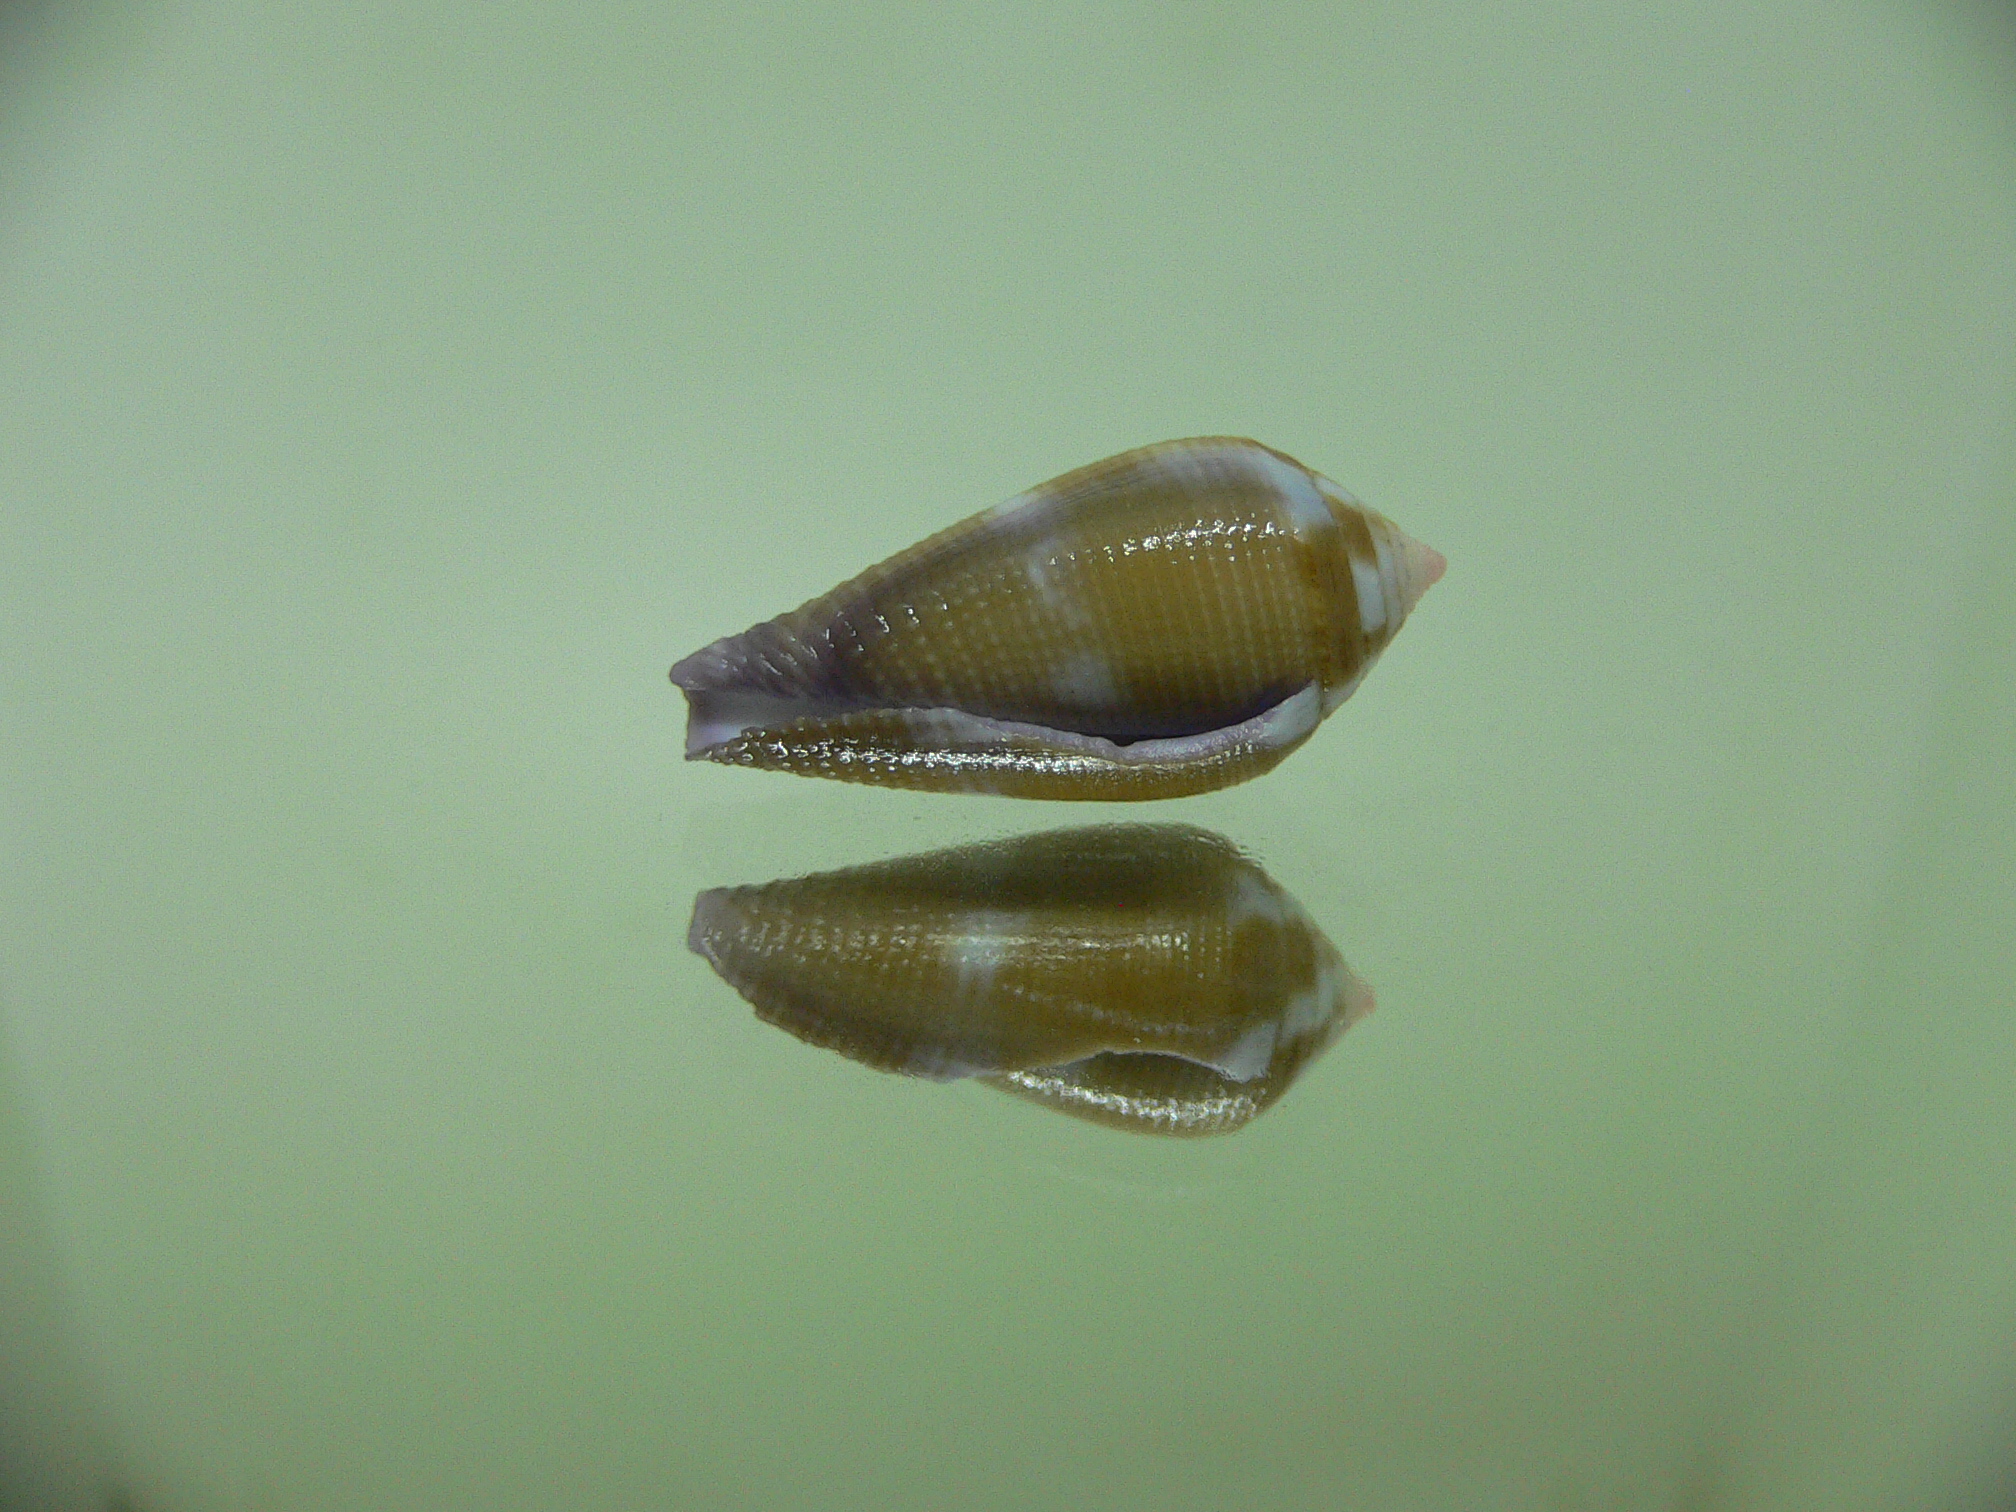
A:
1170,620
1150,977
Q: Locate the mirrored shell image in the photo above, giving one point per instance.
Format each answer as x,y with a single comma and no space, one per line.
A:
1171,620
1148,977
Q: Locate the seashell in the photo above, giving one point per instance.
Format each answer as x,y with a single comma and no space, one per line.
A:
1168,621
1149,977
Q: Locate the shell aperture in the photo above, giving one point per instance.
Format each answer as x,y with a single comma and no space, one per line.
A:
1171,620
1149,977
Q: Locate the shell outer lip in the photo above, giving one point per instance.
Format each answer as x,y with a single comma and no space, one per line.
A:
1285,723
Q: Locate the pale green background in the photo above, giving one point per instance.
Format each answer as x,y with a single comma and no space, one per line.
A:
390,392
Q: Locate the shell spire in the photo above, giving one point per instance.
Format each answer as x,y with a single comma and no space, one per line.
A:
1168,621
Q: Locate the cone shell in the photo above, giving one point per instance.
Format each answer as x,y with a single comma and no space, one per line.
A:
1148,977
1168,621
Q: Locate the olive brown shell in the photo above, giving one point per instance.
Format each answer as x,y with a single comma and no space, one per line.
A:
1168,621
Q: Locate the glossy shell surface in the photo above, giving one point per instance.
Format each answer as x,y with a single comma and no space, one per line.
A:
1150,977
1168,621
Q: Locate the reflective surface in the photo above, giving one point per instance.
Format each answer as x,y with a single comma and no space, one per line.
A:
388,395
1148,977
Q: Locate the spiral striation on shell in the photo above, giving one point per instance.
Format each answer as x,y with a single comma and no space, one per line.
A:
1168,621
1149,977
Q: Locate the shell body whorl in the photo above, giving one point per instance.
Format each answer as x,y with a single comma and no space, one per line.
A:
1145,976
1171,620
